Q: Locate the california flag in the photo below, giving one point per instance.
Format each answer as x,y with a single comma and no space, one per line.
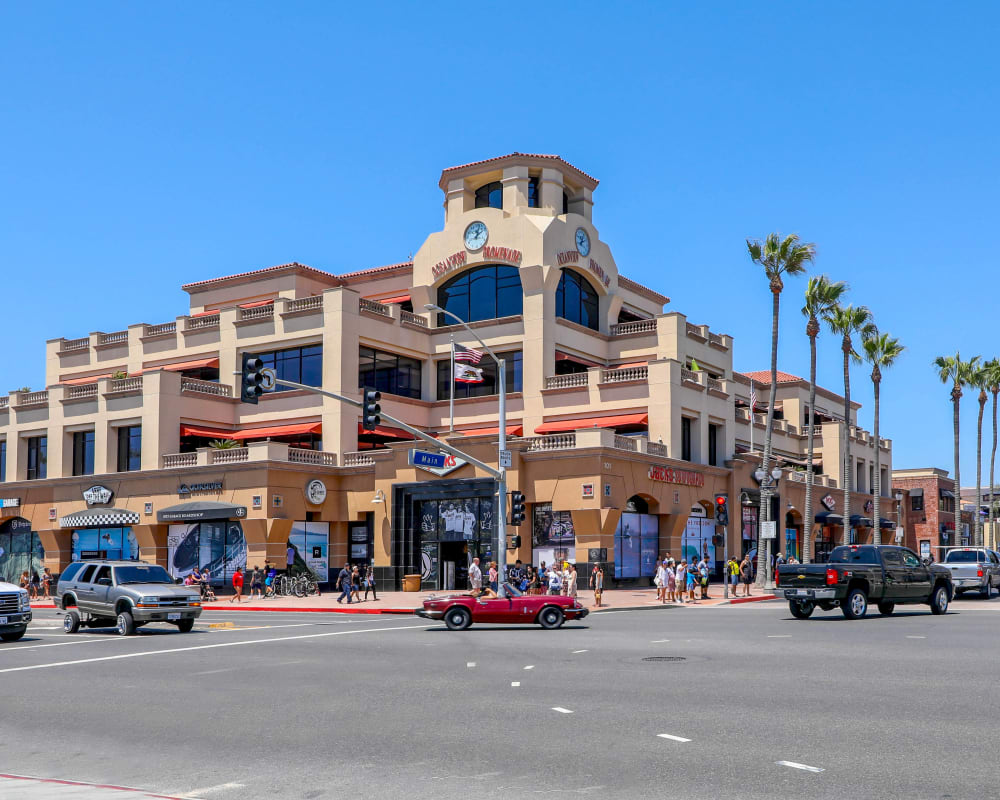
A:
468,374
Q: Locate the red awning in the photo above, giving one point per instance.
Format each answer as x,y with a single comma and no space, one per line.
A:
257,303
81,381
632,364
206,313
402,298
180,366
293,429
561,356
512,430
386,431
618,421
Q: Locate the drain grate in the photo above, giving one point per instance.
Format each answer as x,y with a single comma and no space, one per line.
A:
665,658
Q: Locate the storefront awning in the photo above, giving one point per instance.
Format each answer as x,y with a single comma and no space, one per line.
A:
618,421
400,298
561,356
181,366
257,304
82,381
948,493
829,518
201,510
387,431
512,430
857,521
294,429
886,523
99,518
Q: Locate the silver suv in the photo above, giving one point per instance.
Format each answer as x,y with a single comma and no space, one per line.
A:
15,612
125,594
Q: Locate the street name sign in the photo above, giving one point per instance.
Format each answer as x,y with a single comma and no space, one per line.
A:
423,458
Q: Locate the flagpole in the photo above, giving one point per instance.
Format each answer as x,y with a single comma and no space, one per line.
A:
451,395
752,395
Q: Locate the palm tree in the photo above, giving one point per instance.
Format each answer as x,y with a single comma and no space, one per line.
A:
881,351
822,296
846,321
979,378
953,369
778,256
993,379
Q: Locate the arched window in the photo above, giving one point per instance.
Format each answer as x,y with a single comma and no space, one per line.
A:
577,301
490,195
482,293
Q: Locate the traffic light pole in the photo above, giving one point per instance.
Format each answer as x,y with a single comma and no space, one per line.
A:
502,481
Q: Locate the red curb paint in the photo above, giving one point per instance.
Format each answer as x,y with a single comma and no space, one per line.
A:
309,609
60,782
753,599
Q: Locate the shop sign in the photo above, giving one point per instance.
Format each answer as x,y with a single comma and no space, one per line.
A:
453,261
828,502
607,490
193,488
148,508
98,495
276,501
316,492
451,463
507,255
568,257
52,515
869,505
588,489
10,502
681,476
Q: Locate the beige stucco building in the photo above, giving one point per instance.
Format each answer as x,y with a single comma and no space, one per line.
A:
624,418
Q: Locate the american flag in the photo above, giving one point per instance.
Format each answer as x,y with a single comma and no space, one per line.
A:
467,354
753,398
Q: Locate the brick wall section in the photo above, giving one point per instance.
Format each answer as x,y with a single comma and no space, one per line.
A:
925,526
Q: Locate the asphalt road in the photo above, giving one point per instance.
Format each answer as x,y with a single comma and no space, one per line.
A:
328,706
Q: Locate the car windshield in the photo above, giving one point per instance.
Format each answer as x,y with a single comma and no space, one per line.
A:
142,573
853,555
964,557
511,590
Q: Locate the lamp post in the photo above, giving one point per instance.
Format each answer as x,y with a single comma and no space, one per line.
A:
501,547
768,483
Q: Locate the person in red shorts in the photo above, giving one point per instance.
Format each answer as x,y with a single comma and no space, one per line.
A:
237,586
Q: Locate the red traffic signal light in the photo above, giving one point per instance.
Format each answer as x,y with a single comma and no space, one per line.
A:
720,499
722,509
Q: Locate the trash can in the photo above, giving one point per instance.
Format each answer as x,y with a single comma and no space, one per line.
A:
411,583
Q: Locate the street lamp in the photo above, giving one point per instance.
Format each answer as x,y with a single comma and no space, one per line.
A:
501,549
768,482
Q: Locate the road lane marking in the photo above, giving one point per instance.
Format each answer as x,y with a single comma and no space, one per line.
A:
530,666
580,651
796,765
561,710
63,644
659,641
672,738
44,627
780,636
470,664
515,683
916,637
210,647
210,789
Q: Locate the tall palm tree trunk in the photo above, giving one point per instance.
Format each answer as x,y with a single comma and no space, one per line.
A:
977,518
876,380
993,459
764,552
847,442
807,523
956,396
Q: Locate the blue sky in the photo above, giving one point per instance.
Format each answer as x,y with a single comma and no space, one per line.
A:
146,145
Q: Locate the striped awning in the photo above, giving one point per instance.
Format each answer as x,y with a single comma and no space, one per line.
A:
99,518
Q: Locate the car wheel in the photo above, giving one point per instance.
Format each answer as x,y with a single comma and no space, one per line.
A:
185,625
458,618
985,591
125,624
13,636
855,605
939,600
885,609
801,609
551,617
71,622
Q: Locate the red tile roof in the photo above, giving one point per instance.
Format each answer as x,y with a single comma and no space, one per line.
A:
291,265
547,156
375,270
764,376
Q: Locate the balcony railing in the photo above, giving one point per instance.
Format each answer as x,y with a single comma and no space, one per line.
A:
180,460
125,385
715,385
81,392
5,402
118,337
202,322
689,375
358,459
556,441
634,327
715,339
374,307
73,345
234,455
206,387
569,381
694,330
412,319
626,443
304,304
33,398
657,449
624,374
256,313
298,455
160,330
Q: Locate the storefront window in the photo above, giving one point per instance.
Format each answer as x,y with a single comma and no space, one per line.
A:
361,540
486,292
83,453
489,385
218,546
388,372
749,528
38,457
114,544
637,539
577,301
311,541
696,543
20,550
453,531
553,538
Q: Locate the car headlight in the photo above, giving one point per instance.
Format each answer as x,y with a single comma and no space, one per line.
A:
25,603
148,601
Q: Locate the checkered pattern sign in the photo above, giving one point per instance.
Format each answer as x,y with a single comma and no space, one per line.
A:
112,518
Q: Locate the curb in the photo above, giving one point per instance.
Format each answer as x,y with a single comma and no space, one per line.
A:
307,609
752,599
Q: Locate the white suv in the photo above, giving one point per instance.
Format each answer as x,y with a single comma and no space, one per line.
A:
15,612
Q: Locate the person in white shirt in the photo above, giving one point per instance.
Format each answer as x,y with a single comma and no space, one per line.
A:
475,577
661,581
555,581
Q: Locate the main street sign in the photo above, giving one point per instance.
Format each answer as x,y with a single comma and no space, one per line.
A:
437,463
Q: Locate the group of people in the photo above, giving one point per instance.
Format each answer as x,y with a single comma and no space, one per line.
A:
677,582
350,581
557,579
35,584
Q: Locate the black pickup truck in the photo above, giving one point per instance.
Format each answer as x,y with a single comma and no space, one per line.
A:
855,575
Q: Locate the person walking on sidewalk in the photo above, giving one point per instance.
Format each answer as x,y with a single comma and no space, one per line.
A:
555,581
571,581
681,580
289,560
597,583
370,582
257,583
703,578
660,581
475,577
356,583
344,582
733,574
237,586
746,575
494,577
692,581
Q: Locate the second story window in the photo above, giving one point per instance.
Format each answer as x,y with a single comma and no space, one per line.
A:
534,200
577,301
298,364
482,293
3,460
38,457
713,444
83,453
917,501
490,195
685,438
130,448
388,372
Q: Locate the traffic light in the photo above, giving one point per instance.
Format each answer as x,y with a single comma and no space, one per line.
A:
722,509
515,542
251,378
516,508
370,409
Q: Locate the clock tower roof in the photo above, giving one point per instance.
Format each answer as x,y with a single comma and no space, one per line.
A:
521,159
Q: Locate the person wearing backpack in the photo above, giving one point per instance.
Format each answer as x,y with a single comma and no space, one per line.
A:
555,582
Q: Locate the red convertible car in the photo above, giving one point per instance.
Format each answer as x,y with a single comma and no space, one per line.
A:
460,610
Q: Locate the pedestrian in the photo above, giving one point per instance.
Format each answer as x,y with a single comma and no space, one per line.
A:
597,581
290,560
257,583
571,581
746,575
555,581
670,571
344,583
46,582
660,581
272,573
533,585
356,583
681,580
237,586
475,577
703,576
543,576
516,573
792,560
370,582
494,577
691,582
36,583
733,570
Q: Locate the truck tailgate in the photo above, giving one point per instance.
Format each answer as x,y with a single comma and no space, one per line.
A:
801,576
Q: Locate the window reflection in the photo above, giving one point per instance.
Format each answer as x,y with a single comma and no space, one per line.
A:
577,301
490,195
482,293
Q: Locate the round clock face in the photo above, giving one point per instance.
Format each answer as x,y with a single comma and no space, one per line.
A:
582,242
476,235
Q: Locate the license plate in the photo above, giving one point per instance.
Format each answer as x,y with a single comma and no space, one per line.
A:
3,620
802,593
173,616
